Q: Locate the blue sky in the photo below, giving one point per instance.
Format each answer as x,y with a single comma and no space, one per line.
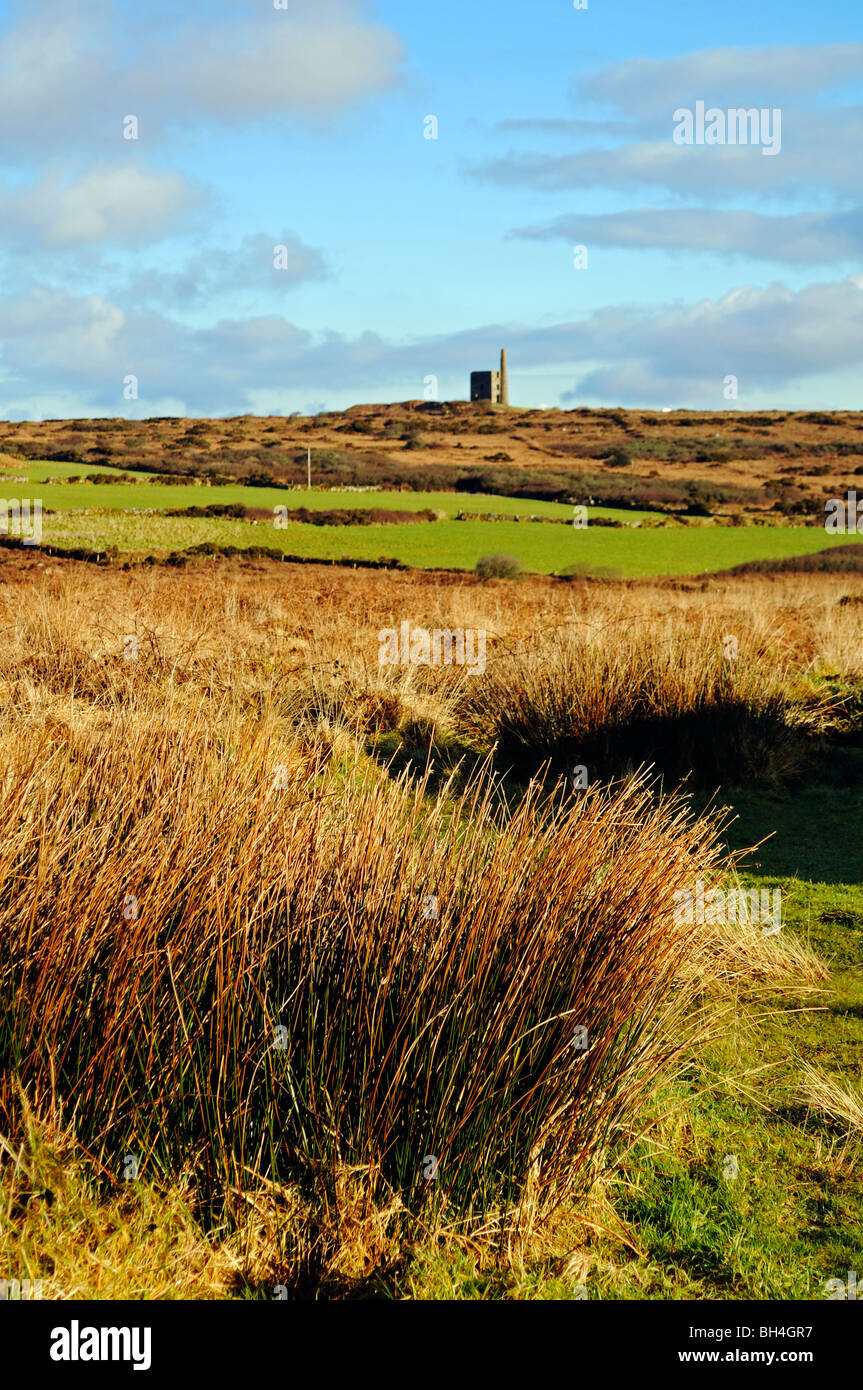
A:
411,258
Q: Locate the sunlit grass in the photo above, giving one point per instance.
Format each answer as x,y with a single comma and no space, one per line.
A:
542,549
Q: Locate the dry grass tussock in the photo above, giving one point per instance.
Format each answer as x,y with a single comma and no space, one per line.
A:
221,970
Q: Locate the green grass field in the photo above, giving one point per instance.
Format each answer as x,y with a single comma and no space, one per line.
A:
455,545
104,516
74,495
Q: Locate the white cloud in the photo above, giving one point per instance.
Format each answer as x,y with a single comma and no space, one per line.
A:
648,87
634,150
108,203
770,337
54,331
819,150
805,238
53,70
318,58
66,82
247,268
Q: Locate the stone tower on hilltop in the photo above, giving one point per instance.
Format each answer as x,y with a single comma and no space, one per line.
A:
491,386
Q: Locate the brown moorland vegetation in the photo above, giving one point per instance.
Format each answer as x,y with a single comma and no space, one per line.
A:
726,460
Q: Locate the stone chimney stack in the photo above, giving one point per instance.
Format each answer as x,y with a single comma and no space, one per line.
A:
504,380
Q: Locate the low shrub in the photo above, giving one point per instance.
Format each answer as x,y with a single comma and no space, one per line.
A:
497,567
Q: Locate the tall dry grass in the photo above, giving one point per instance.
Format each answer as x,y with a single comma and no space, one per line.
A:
610,693
274,639
239,948
209,970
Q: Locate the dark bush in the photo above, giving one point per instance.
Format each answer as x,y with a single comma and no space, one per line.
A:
235,510
103,479
497,567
